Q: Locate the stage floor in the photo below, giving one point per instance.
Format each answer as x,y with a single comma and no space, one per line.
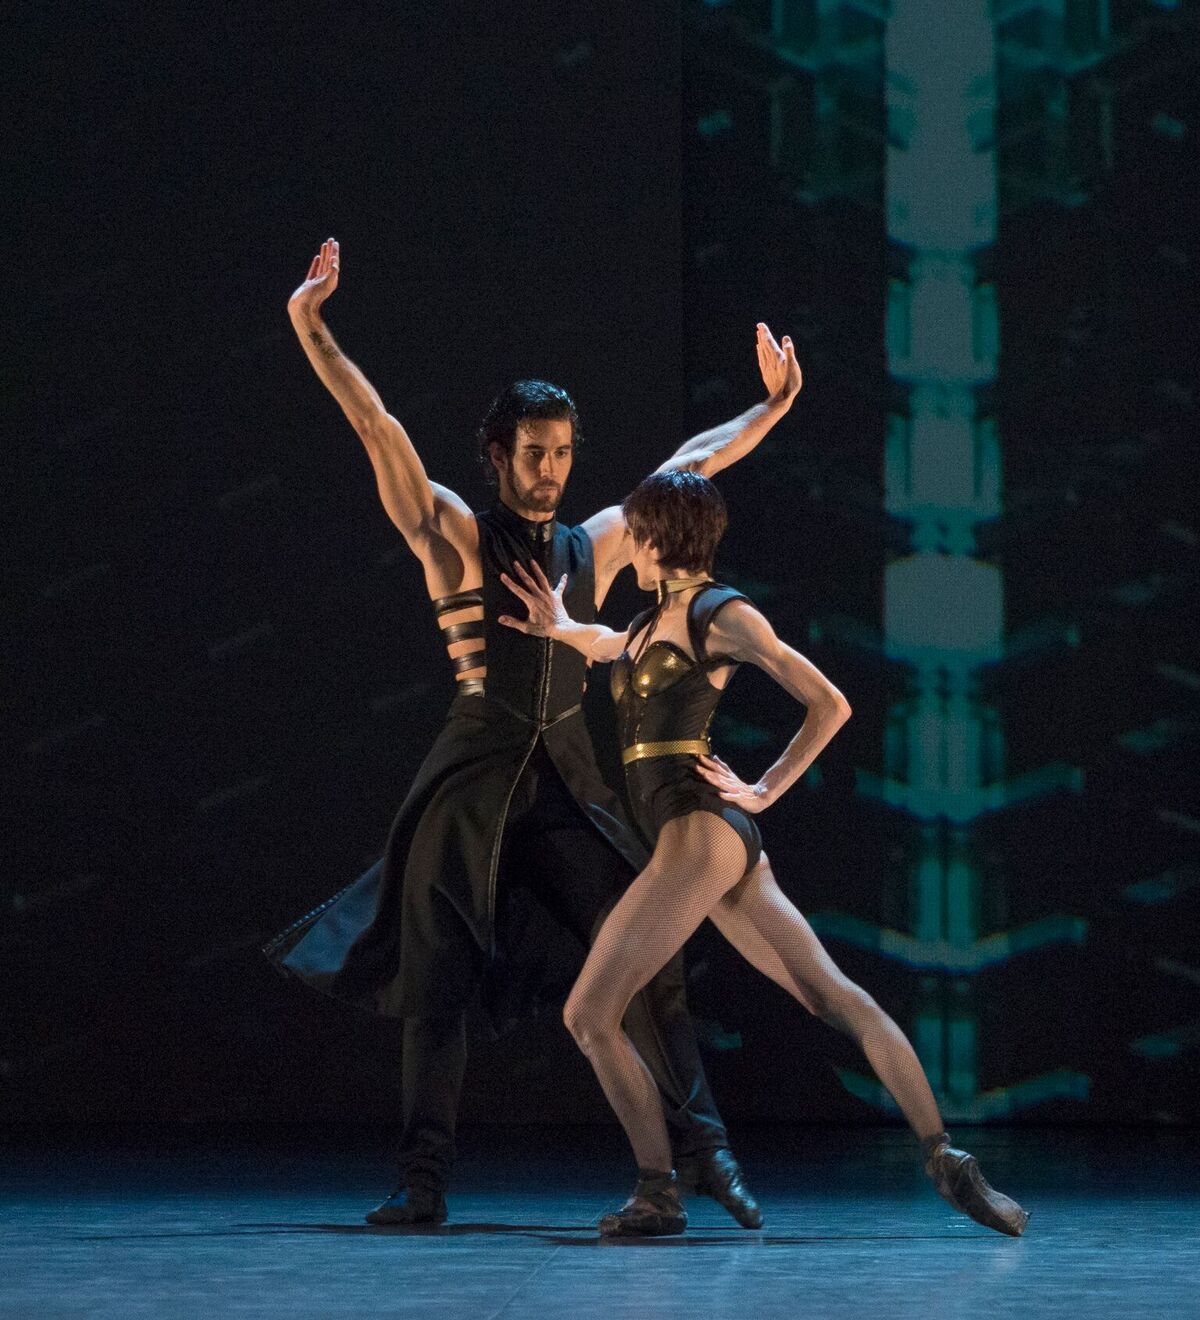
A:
179,1223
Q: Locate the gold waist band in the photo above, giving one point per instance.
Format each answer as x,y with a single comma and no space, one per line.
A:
680,747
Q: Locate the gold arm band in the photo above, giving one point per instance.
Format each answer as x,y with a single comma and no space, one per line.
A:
680,747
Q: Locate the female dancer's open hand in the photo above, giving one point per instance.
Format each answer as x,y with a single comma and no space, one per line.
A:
544,603
750,797
321,280
780,371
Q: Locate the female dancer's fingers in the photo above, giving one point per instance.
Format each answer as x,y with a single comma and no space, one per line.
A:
542,580
526,576
313,266
517,590
537,593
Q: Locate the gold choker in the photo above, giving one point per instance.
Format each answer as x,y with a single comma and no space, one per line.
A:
666,586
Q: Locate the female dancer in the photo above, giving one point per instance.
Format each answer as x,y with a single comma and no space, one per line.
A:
671,665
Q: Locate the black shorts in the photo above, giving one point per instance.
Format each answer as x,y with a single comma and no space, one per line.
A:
662,788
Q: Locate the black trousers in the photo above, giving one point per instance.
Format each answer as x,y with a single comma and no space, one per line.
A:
551,848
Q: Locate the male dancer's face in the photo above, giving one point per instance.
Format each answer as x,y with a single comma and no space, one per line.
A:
533,476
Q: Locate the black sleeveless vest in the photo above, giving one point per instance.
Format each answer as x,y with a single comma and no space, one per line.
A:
533,677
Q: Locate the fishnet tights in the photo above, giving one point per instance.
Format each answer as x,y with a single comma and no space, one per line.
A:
697,872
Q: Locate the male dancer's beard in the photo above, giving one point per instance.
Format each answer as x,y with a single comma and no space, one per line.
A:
533,500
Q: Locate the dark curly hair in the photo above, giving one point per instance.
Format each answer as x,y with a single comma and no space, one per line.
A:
522,399
682,514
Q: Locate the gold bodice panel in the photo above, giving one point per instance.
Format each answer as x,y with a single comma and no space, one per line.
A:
660,667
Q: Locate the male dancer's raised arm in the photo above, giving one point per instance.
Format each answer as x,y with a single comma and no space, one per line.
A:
438,526
706,453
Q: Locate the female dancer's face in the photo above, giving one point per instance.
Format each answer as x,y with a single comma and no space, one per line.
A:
646,565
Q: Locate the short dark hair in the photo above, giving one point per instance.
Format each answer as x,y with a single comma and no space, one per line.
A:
523,399
683,514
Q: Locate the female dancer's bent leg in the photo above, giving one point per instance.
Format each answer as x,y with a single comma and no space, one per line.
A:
683,881
692,866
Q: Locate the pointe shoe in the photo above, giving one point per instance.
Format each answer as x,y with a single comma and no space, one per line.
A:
411,1205
654,1209
717,1173
957,1179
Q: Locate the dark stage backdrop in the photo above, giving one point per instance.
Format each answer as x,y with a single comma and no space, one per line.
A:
979,518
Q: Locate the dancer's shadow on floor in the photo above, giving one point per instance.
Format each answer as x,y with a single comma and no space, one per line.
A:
587,1236
351,1230
757,1238
558,1235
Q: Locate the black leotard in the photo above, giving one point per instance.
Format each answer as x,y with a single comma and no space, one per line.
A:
664,696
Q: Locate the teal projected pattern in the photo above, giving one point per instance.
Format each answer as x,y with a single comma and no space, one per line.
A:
936,76
943,607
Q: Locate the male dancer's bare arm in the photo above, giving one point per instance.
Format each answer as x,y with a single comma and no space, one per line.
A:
548,616
712,450
434,521
743,632
708,452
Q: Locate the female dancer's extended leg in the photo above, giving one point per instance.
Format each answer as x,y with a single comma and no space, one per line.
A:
766,928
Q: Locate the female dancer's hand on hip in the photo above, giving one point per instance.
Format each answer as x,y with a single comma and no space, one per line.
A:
750,797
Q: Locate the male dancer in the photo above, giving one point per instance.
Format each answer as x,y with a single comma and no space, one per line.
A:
510,794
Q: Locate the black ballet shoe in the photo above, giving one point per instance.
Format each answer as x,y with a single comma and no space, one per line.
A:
411,1205
957,1178
716,1173
654,1209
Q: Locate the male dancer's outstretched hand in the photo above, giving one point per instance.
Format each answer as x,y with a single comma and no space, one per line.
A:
780,371
321,280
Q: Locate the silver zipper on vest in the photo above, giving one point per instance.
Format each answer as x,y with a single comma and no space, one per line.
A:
543,695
